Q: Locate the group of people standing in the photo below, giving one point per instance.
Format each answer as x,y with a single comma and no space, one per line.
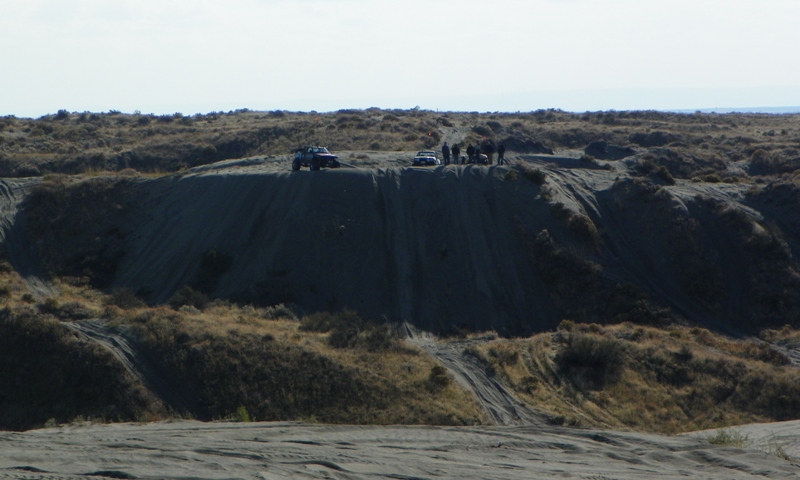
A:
481,152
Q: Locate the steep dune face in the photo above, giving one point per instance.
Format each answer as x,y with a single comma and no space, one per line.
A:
438,248
451,248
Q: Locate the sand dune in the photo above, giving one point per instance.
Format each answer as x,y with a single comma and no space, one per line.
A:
285,450
437,248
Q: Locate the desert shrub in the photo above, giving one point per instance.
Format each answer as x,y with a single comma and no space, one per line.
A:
242,415
592,361
664,174
774,393
482,130
344,335
566,325
652,139
646,166
213,265
496,126
583,227
670,368
124,298
533,174
765,353
561,212
763,162
67,310
188,296
324,322
278,311
728,438
438,379
504,355
347,330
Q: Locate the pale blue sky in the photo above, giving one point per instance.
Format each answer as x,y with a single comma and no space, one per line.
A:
198,56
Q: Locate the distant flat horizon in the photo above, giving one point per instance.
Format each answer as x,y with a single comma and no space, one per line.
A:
714,110
772,110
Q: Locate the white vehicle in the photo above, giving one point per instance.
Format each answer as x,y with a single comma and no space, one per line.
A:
426,158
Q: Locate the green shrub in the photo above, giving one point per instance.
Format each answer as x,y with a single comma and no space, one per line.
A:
242,415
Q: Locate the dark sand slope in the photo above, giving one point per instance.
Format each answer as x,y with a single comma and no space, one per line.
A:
448,247
433,247
453,247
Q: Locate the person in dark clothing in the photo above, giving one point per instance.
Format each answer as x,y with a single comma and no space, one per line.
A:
446,154
456,152
501,152
487,148
471,153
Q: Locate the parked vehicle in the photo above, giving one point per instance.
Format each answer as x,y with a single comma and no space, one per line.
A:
314,158
426,158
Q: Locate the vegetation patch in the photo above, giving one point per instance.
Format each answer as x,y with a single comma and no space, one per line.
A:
289,370
668,380
49,375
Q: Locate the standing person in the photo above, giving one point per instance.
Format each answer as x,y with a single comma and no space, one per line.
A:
471,153
446,154
487,148
456,152
501,152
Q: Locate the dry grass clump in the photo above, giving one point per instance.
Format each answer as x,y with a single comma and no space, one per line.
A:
645,378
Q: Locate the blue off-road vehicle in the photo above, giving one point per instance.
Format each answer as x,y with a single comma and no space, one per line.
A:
314,158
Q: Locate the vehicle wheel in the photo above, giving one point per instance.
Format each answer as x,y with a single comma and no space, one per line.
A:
334,164
314,164
296,164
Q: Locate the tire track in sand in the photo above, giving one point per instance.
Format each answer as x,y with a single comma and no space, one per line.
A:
496,399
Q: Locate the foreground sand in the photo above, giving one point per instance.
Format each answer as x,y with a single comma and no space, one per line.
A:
288,450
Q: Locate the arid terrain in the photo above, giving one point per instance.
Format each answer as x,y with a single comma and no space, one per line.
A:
627,274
